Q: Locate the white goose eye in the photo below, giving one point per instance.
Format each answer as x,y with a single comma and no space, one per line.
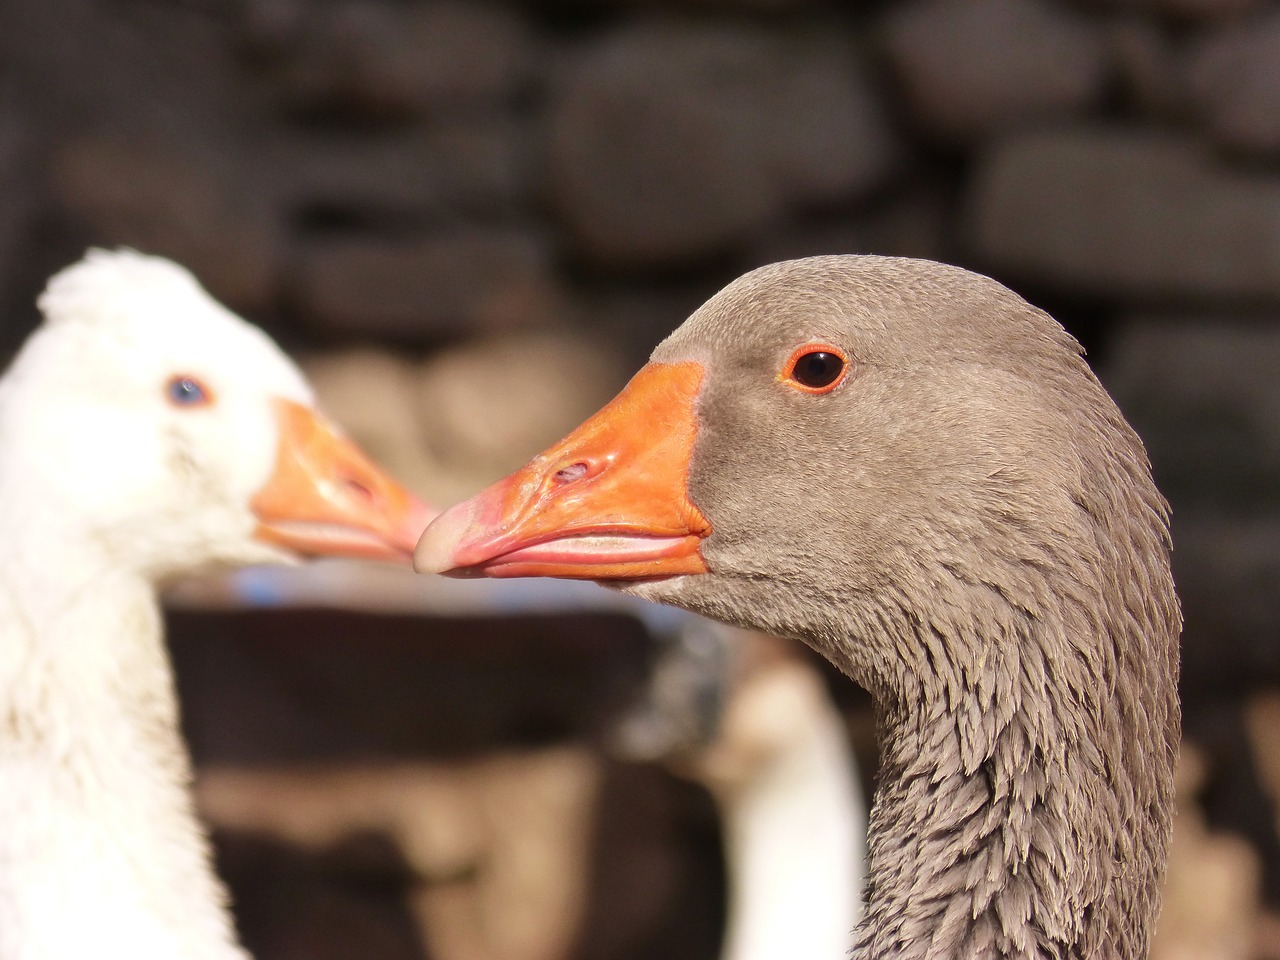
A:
187,391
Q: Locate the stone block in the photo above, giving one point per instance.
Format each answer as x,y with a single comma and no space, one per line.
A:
1149,69
477,166
675,141
1127,213
635,316
550,384
191,202
967,68
364,59
425,287
911,222
1195,11
1235,80
18,202
1201,390
825,124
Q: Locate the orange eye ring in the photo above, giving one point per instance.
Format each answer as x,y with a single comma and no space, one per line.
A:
815,368
187,392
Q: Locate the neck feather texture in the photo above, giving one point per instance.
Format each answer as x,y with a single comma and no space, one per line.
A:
99,843
1025,794
1026,678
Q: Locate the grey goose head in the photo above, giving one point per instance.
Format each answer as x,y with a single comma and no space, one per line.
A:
913,470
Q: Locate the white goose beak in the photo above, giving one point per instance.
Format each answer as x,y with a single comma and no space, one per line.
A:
326,498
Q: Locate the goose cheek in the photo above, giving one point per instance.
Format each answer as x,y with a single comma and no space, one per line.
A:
326,498
609,502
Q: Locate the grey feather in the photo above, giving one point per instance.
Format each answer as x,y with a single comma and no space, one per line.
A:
967,527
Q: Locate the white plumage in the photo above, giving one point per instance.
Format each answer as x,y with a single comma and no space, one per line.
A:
137,426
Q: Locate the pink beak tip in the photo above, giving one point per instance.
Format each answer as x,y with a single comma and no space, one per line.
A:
439,544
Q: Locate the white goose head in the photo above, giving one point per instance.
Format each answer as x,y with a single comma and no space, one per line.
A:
167,434
145,431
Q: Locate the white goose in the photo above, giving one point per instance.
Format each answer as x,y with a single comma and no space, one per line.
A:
144,431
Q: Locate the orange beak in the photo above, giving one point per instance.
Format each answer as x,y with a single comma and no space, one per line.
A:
326,498
609,502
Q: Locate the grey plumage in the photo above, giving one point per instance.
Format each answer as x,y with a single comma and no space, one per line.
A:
968,528
963,523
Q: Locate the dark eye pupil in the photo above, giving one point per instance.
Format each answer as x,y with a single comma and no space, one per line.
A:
186,391
817,369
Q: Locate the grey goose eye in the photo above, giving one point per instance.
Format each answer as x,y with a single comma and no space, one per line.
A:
187,391
816,368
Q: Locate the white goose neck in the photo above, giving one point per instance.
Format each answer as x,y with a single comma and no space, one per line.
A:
98,838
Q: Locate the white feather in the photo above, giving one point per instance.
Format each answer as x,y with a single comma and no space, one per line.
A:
106,488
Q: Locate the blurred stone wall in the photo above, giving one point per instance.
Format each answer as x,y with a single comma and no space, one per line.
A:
412,171
414,174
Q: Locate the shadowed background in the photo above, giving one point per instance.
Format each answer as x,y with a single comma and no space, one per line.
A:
472,221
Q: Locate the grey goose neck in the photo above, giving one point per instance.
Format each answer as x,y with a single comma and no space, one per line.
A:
911,469
971,532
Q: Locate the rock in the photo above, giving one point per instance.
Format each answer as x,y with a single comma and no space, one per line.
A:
442,428
294,902
632,317
17,201
371,61
1235,78
190,202
649,167
549,384
141,116
414,289
484,163
1122,213
1226,568
1148,64
968,68
1213,887
1194,10
674,141
466,167
89,61
370,393
828,132
499,846
343,682
907,223
1201,391
1214,436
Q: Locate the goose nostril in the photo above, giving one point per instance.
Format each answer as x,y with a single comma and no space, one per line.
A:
359,489
575,471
